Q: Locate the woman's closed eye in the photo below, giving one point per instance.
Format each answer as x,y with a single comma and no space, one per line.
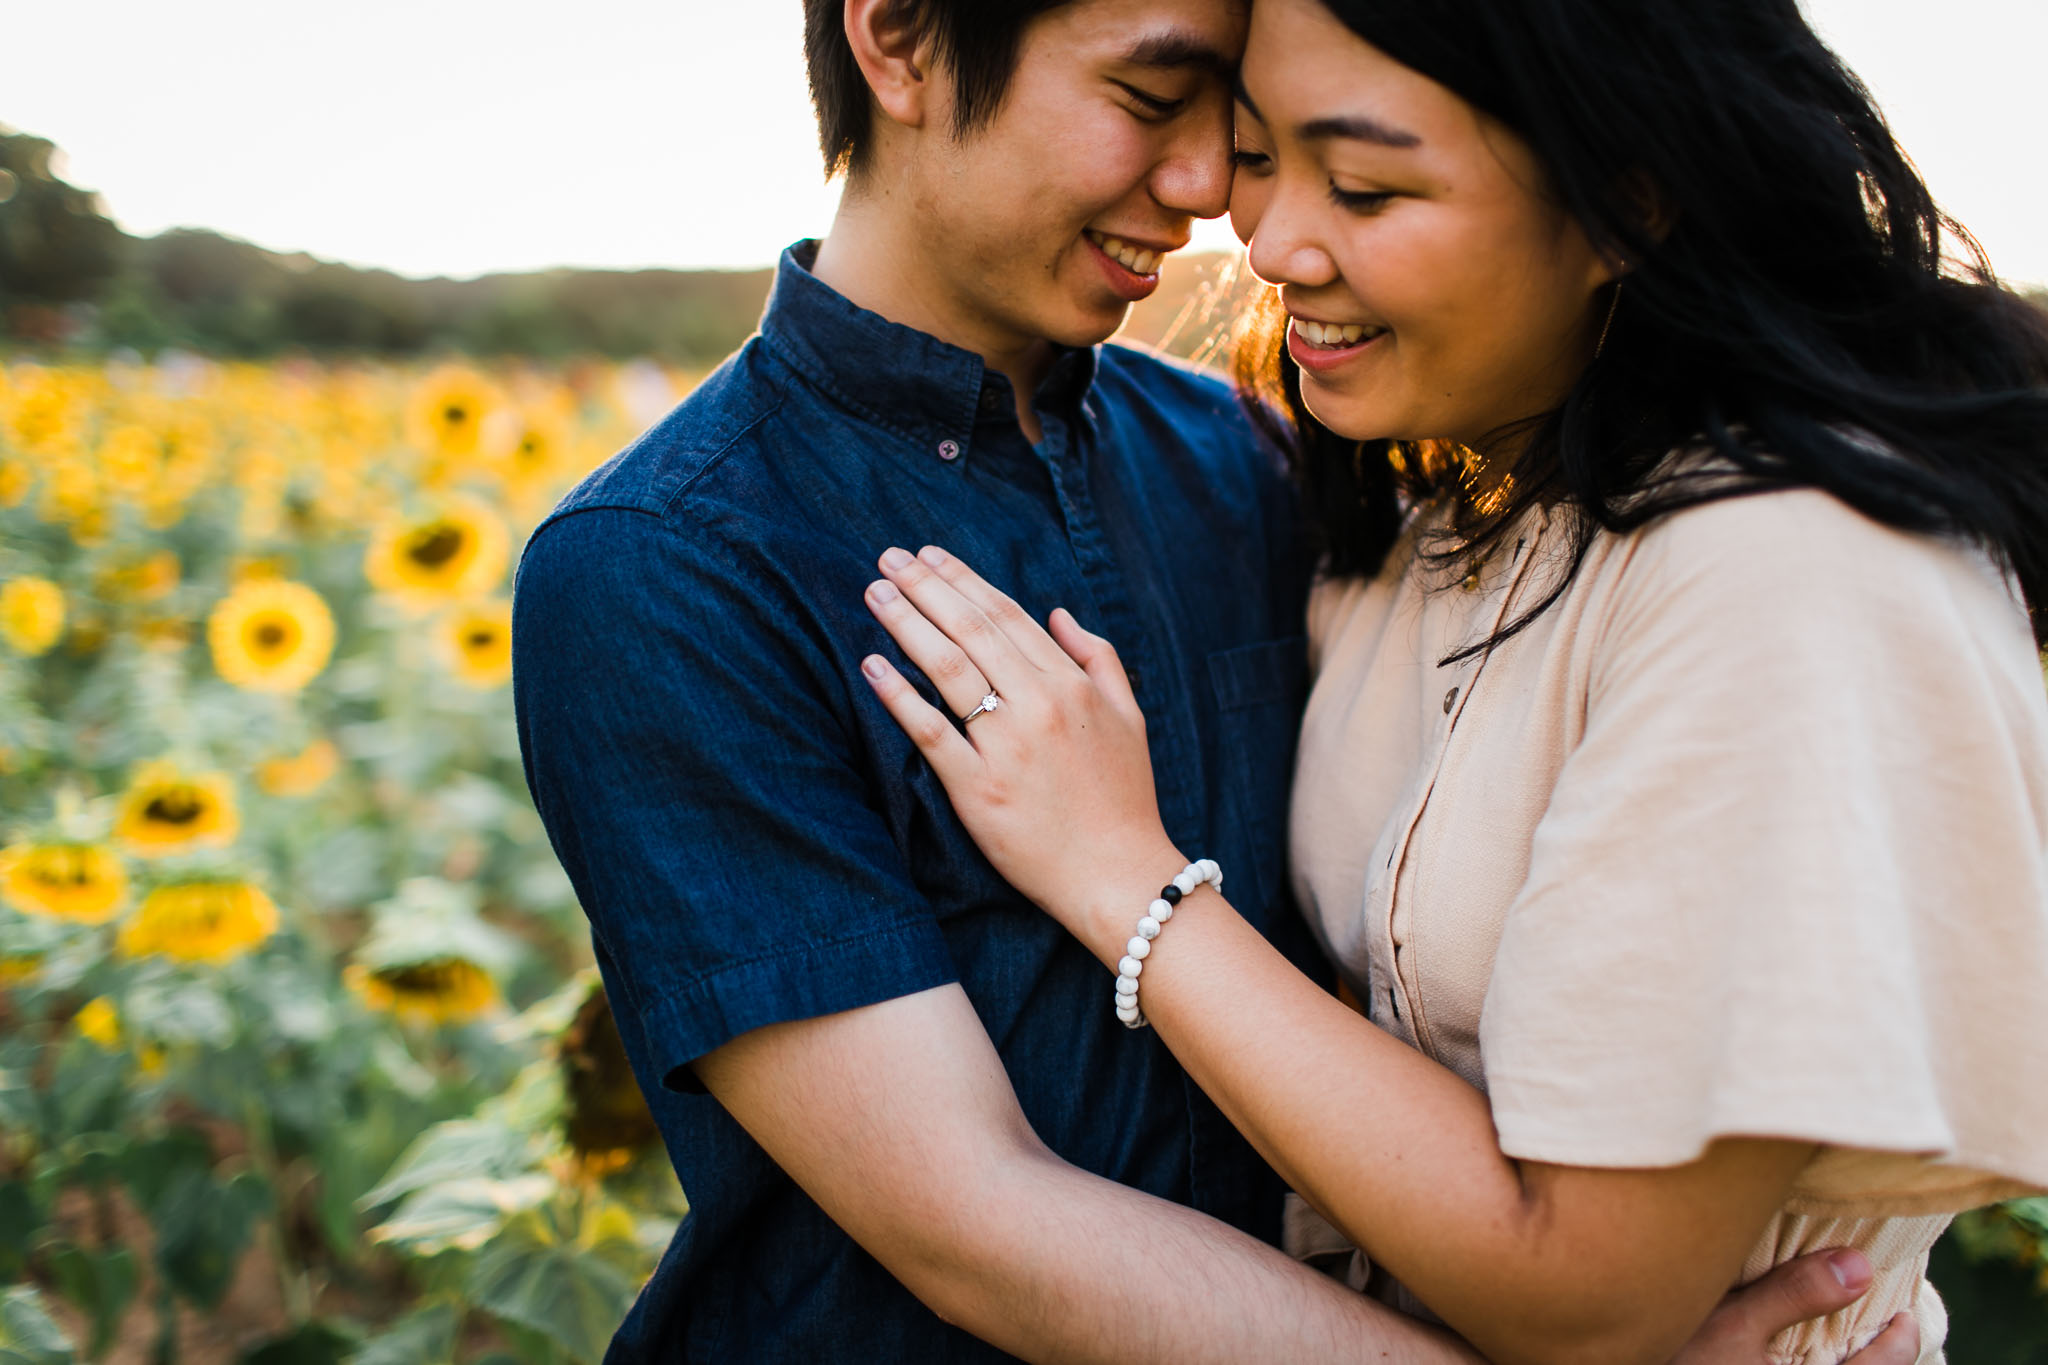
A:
1359,201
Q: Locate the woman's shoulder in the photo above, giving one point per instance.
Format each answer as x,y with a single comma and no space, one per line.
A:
1803,557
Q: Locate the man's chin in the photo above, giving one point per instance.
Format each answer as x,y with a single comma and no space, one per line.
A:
1090,324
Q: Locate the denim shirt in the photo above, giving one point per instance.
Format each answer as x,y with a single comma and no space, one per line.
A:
755,841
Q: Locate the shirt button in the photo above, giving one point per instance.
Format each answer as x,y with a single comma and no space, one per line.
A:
991,401
949,450
1137,677
1450,700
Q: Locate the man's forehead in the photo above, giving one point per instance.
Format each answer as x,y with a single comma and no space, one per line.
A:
1204,35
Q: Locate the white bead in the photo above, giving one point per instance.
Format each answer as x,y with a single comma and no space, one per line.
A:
1210,871
1130,967
1129,1014
1136,1023
1126,985
1160,910
1186,883
1148,928
1138,948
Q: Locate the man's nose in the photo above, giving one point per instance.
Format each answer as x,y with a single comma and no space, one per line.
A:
1195,176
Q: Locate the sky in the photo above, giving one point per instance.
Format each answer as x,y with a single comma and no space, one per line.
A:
459,137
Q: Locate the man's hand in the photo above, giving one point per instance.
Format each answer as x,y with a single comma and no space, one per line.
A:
1740,1331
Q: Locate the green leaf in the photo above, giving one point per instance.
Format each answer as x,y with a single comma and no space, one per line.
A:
460,1215
20,1217
203,1228
156,1166
101,1283
426,1337
28,1335
312,1343
458,1149
554,1287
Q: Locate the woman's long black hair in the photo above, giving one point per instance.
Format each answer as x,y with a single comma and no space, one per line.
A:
1797,296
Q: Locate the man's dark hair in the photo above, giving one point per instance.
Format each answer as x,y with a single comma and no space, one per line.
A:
975,41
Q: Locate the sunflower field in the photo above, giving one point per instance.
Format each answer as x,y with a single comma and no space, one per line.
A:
301,1055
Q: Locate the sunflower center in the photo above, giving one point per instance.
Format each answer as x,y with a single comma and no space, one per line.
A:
455,414
433,546
271,634
178,806
62,869
481,639
423,978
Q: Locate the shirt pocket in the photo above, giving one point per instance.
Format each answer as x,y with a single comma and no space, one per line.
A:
1259,692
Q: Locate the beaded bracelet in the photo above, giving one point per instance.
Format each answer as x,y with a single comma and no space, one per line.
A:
1156,916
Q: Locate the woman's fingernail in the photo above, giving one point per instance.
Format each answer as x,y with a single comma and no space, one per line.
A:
932,555
1851,1269
874,667
895,558
882,590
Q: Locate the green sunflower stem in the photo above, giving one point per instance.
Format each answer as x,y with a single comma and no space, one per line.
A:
294,1289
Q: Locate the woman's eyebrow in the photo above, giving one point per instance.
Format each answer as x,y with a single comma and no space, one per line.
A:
1358,127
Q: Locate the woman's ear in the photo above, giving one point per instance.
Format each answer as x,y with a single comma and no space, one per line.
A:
893,54
1651,214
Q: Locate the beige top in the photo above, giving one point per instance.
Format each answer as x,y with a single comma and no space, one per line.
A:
1746,835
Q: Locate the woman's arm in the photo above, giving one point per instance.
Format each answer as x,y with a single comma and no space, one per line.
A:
1529,1262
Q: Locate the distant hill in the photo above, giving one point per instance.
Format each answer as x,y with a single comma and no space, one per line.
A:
216,294
207,292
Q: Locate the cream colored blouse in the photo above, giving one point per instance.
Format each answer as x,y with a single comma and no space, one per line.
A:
1746,835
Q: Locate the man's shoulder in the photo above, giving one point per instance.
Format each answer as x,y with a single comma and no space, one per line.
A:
1153,381
656,471
1181,410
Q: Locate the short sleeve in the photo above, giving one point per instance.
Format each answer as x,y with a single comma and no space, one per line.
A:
689,747
1791,880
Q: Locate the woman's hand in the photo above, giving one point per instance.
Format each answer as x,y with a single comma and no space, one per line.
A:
1055,784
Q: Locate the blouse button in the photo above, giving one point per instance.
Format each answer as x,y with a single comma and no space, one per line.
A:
1450,700
949,450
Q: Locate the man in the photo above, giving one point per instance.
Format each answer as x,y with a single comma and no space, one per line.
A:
926,1137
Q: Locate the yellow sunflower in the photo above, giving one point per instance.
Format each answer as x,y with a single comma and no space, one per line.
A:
606,1119
166,811
31,614
83,883
200,921
150,578
99,1023
299,774
16,478
454,415
477,643
458,552
442,990
269,635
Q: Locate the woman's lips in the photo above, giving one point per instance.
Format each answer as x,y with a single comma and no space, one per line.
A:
1323,346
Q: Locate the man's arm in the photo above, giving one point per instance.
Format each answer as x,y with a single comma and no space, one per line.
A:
899,1120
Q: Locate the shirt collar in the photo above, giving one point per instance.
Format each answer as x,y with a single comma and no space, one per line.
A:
906,381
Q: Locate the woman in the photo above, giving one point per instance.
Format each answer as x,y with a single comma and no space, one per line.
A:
1692,707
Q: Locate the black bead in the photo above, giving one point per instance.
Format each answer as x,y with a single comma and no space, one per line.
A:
1171,895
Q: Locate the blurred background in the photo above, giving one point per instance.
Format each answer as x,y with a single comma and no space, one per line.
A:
306,317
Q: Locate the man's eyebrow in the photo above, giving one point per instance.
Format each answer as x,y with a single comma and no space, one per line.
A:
1355,126
1174,47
